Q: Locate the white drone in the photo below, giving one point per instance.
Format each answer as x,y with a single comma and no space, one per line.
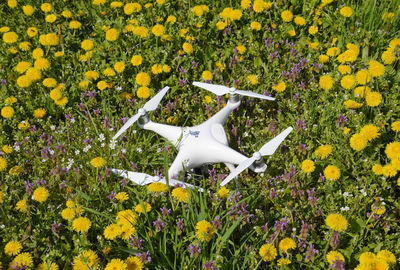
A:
202,144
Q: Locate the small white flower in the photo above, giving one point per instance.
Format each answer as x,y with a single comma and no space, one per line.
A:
72,120
123,150
139,150
53,127
77,152
51,152
87,148
103,144
16,148
101,137
112,144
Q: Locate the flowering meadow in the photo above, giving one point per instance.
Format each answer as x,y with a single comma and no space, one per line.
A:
73,72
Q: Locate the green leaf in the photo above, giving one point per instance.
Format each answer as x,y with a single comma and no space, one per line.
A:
230,230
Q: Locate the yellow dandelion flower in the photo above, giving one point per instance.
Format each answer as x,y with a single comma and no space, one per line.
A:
343,69
12,248
204,231
81,224
268,252
23,260
112,34
389,170
395,126
40,194
348,81
134,263
143,92
287,16
86,260
142,208
252,79
367,258
332,173
333,255
3,164
351,104
376,69
346,11
116,264
307,166
181,194
39,113
358,142
126,217
158,30
28,10
336,222
68,213
373,99
370,132
377,169
10,37
279,87
122,196
387,256
323,151
157,187
21,206
187,48
207,75
378,209
119,67
326,82
112,231
299,20
286,244
223,192
87,44
46,7
98,162
127,231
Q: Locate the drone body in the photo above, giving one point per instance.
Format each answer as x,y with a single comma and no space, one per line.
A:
203,144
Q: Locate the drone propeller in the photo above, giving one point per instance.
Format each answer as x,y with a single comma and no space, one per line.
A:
221,90
144,179
150,105
266,150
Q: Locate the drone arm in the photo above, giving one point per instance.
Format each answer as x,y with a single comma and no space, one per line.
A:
221,116
230,166
171,133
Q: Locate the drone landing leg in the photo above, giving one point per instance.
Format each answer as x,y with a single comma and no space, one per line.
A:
231,167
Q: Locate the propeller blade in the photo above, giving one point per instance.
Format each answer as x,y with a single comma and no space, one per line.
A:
219,90
128,123
152,104
251,94
138,178
240,168
270,147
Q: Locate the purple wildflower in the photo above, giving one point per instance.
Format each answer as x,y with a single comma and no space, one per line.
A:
194,250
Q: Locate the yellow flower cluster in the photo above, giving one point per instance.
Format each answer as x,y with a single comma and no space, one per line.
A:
359,140
384,259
